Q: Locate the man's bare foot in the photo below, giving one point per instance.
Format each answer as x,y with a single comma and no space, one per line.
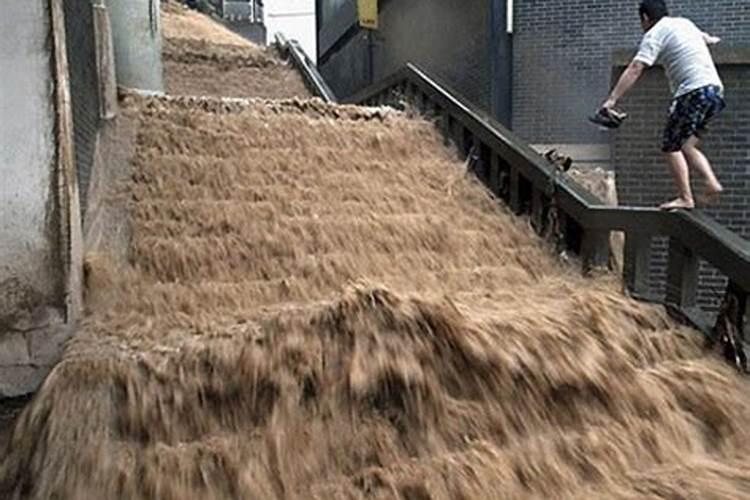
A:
711,194
678,203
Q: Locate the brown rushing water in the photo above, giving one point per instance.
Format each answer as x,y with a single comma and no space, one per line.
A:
202,57
318,302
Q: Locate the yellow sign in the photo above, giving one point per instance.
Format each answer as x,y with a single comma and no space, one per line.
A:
368,13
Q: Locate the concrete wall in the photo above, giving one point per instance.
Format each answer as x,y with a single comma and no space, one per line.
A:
136,31
642,176
32,275
27,149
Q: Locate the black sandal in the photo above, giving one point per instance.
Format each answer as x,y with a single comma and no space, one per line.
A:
608,118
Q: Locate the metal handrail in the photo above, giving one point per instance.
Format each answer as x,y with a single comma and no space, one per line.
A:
691,234
314,81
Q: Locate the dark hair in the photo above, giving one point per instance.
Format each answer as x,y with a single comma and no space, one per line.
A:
654,9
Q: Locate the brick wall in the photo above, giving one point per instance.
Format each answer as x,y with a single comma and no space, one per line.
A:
642,175
562,52
84,88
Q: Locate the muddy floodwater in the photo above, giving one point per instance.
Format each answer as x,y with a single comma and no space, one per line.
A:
318,301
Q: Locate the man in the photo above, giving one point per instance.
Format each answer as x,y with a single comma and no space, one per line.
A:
682,49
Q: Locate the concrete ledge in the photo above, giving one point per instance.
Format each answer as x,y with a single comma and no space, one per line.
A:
723,56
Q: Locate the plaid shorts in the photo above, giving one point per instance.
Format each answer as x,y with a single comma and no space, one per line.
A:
689,116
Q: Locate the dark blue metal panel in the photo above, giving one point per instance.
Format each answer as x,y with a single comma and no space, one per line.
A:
501,62
333,30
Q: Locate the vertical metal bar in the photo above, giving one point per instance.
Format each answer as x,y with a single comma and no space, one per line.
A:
682,275
636,265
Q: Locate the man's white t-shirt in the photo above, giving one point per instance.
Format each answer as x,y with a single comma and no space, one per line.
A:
678,45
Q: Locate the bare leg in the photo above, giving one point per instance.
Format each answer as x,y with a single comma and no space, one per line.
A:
698,160
679,167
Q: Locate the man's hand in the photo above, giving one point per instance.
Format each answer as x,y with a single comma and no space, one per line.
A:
711,40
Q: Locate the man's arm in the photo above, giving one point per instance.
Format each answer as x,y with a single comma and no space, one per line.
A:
625,83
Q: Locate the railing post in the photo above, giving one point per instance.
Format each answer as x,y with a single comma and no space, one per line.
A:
419,101
537,209
682,275
637,260
429,107
742,299
445,126
410,93
515,191
494,181
465,140
458,133
564,228
594,249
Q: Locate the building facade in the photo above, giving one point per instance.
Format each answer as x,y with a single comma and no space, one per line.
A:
465,44
244,17
543,66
